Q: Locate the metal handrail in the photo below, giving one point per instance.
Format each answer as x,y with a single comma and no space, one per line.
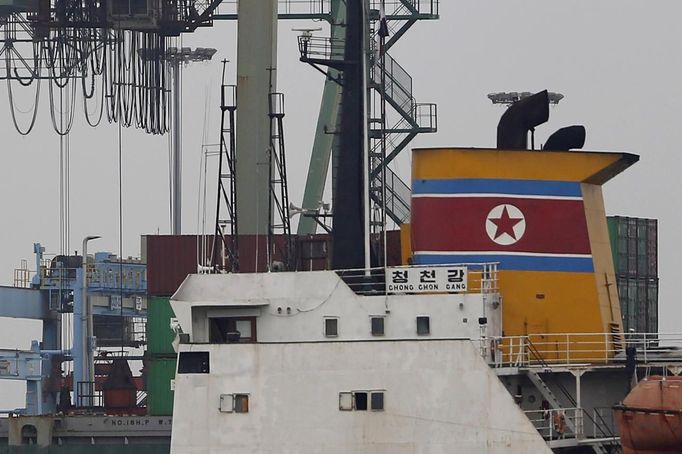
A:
553,349
322,8
285,7
599,423
550,425
554,424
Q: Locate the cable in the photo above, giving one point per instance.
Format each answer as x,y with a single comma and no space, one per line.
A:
11,101
120,228
170,182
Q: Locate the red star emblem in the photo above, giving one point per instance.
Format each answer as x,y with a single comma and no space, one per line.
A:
505,224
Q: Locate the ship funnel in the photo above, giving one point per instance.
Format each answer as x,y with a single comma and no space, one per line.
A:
568,138
521,117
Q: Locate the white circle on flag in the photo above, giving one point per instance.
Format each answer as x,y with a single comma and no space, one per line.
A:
505,224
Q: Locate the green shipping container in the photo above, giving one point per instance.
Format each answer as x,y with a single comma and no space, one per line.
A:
634,245
159,395
159,335
612,224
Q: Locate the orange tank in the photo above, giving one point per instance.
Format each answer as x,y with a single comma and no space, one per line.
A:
650,417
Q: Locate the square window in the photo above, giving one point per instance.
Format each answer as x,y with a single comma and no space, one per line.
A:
241,403
226,403
360,401
237,403
423,325
377,326
345,401
225,330
193,363
331,327
377,400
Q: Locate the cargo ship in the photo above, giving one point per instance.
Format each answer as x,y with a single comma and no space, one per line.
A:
504,313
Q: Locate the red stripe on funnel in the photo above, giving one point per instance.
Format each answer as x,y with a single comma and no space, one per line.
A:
459,224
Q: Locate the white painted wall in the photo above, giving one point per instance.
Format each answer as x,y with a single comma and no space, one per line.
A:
441,397
291,307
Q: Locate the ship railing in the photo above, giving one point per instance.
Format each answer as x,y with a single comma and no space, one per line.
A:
22,275
603,422
286,9
557,349
88,395
102,276
321,9
481,278
321,48
557,423
405,8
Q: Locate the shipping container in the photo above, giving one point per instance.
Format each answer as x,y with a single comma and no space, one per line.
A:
639,304
159,334
652,310
160,372
634,246
652,255
169,259
614,237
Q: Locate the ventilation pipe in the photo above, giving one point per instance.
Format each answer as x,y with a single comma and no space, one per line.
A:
568,138
520,118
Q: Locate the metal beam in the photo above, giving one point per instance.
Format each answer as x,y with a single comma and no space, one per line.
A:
292,16
23,303
20,365
256,57
325,132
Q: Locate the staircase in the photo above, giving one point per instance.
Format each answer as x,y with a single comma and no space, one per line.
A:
387,76
548,395
390,132
605,441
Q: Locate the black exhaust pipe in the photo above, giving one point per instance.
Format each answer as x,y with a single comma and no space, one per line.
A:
521,117
568,138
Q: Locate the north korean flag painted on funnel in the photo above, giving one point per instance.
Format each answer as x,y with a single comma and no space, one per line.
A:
528,225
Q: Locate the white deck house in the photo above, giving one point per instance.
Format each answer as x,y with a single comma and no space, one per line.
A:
302,363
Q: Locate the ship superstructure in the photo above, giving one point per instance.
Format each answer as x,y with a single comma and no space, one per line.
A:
330,361
490,322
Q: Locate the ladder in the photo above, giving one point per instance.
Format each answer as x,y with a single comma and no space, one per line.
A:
225,249
278,213
392,86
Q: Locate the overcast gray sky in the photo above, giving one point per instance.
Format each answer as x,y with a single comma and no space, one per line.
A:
617,62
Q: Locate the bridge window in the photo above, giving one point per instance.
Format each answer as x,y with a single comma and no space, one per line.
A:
193,363
224,330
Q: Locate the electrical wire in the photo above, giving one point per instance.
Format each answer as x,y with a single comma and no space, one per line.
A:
202,247
120,229
10,93
133,89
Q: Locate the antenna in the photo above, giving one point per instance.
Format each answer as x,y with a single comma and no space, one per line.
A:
307,32
508,98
